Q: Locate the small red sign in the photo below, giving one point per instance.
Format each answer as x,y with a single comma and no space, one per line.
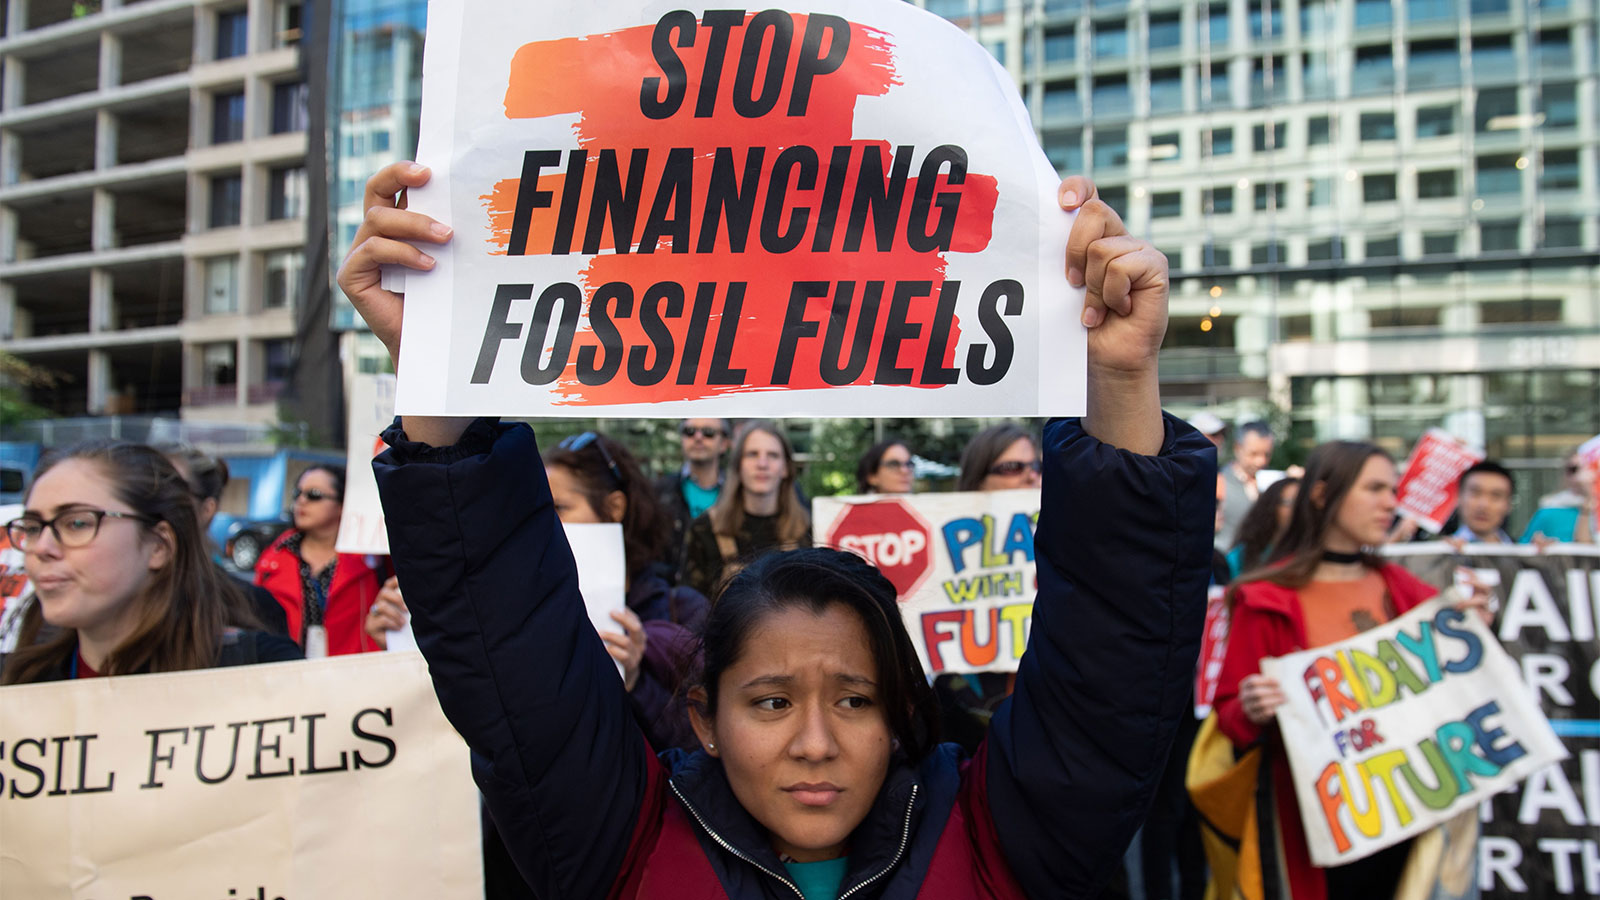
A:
891,536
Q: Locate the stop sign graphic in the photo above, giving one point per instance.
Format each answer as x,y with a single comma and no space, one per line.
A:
892,537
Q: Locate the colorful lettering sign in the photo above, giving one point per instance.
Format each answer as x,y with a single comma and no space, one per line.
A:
963,564
664,211
1427,492
1540,838
1403,726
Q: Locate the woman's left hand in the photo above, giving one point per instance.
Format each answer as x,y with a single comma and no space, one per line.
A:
388,613
1482,599
626,648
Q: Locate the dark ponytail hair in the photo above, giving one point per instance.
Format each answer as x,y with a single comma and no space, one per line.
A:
814,579
183,608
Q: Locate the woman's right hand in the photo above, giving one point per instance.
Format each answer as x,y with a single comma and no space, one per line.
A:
388,613
1260,696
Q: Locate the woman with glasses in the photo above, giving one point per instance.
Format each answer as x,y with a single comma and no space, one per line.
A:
758,510
326,595
886,469
998,458
113,547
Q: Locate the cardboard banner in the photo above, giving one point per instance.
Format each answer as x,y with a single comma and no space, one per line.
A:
962,563
371,410
1401,727
328,779
14,585
1427,492
664,212
1541,838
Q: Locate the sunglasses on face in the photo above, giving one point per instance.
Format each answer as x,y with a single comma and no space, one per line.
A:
690,431
578,442
1013,468
313,495
895,465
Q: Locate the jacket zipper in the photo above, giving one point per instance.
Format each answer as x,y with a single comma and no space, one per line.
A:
905,838
734,850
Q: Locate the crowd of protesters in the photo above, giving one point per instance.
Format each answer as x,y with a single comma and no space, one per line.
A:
113,536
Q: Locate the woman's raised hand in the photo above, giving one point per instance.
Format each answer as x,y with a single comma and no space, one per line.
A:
382,240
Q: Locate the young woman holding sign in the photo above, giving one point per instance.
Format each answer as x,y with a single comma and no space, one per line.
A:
120,570
818,774
1326,585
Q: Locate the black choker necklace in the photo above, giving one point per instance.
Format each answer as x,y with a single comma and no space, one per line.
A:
1334,556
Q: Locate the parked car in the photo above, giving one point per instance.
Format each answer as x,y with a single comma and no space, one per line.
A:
13,484
246,540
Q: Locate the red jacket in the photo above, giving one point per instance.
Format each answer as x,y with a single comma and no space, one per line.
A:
1267,621
350,598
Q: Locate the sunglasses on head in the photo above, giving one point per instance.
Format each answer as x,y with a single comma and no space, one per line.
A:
578,442
1013,468
690,431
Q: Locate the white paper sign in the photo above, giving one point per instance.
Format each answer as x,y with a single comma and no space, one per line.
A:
362,529
1402,726
661,211
602,572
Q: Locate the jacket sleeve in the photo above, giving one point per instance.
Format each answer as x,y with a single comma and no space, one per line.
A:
1249,640
493,594
1123,550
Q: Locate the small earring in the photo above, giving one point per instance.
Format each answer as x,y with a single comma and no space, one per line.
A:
711,746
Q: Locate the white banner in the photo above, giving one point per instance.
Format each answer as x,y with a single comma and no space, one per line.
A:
665,212
332,779
14,586
963,564
1402,726
371,410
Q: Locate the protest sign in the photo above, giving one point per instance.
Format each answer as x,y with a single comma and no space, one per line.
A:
668,212
1539,838
14,586
329,779
1213,650
962,564
361,530
1427,492
597,549
1397,729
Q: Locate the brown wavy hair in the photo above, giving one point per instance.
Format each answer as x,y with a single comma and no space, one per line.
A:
645,526
182,607
727,514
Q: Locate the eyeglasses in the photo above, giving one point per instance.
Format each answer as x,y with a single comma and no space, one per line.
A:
577,442
1013,468
73,528
690,431
896,465
314,495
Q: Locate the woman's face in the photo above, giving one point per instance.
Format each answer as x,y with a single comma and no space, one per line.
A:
800,729
761,464
1017,467
91,588
322,513
894,471
1367,511
572,505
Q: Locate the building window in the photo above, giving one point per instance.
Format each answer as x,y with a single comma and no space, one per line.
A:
1518,312
1560,171
286,193
1279,137
1316,82
283,270
1499,174
1431,10
1268,80
1499,236
1111,97
1377,126
1218,142
1064,149
1110,148
1166,31
219,364
1115,197
1490,7
1166,205
1405,317
1110,40
227,197
1166,91
1061,102
1444,243
222,285
1558,105
1165,147
1563,232
1219,200
1315,19
1264,24
1218,257
1372,13
289,107
1318,131
1319,192
1378,188
1221,89
1436,121
233,34
1438,183
227,117
1060,47
1269,254
1493,59
1215,26
1383,248
1433,64
997,49
1325,250
288,23
1271,196
275,358
1374,71
1497,110
1554,48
